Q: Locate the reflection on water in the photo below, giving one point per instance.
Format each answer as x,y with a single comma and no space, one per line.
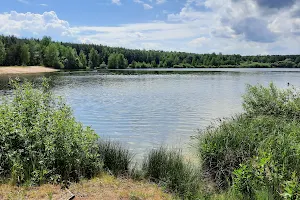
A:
145,111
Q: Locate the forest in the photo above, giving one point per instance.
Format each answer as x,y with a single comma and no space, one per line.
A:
35,52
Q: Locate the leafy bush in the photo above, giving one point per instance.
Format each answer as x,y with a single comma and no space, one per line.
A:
116,159
40,139
272,101
258,150
169,169
222,149
276,167
255,65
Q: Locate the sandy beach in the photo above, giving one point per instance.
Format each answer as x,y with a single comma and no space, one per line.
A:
25,70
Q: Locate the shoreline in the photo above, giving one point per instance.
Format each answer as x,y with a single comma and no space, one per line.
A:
25,70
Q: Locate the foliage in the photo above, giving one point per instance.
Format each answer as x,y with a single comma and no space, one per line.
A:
103,65
222,149
70,59
287,63
41,141
139,65
258,150
115,158
255,65
51,56
93,59
24,54
117,61
83,60
184,65
276,167
169,169
2,52
137,58
271,101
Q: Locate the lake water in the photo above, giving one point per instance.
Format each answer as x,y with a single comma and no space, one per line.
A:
146,110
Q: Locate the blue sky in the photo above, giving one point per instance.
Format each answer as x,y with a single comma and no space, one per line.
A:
96,12
200,26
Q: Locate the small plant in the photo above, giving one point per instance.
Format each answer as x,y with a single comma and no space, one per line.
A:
244,180
170,170
291,188
115,158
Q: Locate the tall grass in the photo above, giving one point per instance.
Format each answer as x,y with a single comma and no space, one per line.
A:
257,152
41,141
115,158
169,169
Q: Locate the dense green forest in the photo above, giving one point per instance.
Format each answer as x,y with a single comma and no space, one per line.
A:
29,52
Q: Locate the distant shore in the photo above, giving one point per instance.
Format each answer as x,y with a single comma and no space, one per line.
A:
25,70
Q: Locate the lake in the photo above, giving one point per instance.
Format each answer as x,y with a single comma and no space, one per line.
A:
146,110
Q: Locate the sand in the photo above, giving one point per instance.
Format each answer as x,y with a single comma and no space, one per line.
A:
26,70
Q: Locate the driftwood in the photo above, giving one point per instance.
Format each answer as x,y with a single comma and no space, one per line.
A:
72,195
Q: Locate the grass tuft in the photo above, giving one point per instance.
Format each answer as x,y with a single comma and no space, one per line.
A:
170,170
115,158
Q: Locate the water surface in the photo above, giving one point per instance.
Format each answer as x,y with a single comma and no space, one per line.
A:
144,111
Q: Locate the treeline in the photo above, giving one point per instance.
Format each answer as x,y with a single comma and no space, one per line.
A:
15,51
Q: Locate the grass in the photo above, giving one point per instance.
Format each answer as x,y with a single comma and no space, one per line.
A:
115,158
104,187
170,170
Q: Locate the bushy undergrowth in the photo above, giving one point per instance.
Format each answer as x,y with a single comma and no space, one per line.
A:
258,150
40,140
272,101
224,148
116,159
169,169
276,165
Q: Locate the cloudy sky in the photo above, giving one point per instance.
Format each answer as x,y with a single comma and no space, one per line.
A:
244,27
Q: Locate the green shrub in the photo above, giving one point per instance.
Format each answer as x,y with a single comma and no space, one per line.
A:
116,159
222,149
272,101
258,152
276,167
255,65
41,141
169,169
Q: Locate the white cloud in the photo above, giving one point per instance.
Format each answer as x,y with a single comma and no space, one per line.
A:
160,1
43,4
147,6
23,1
21,24
199,41
118,2
202,26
